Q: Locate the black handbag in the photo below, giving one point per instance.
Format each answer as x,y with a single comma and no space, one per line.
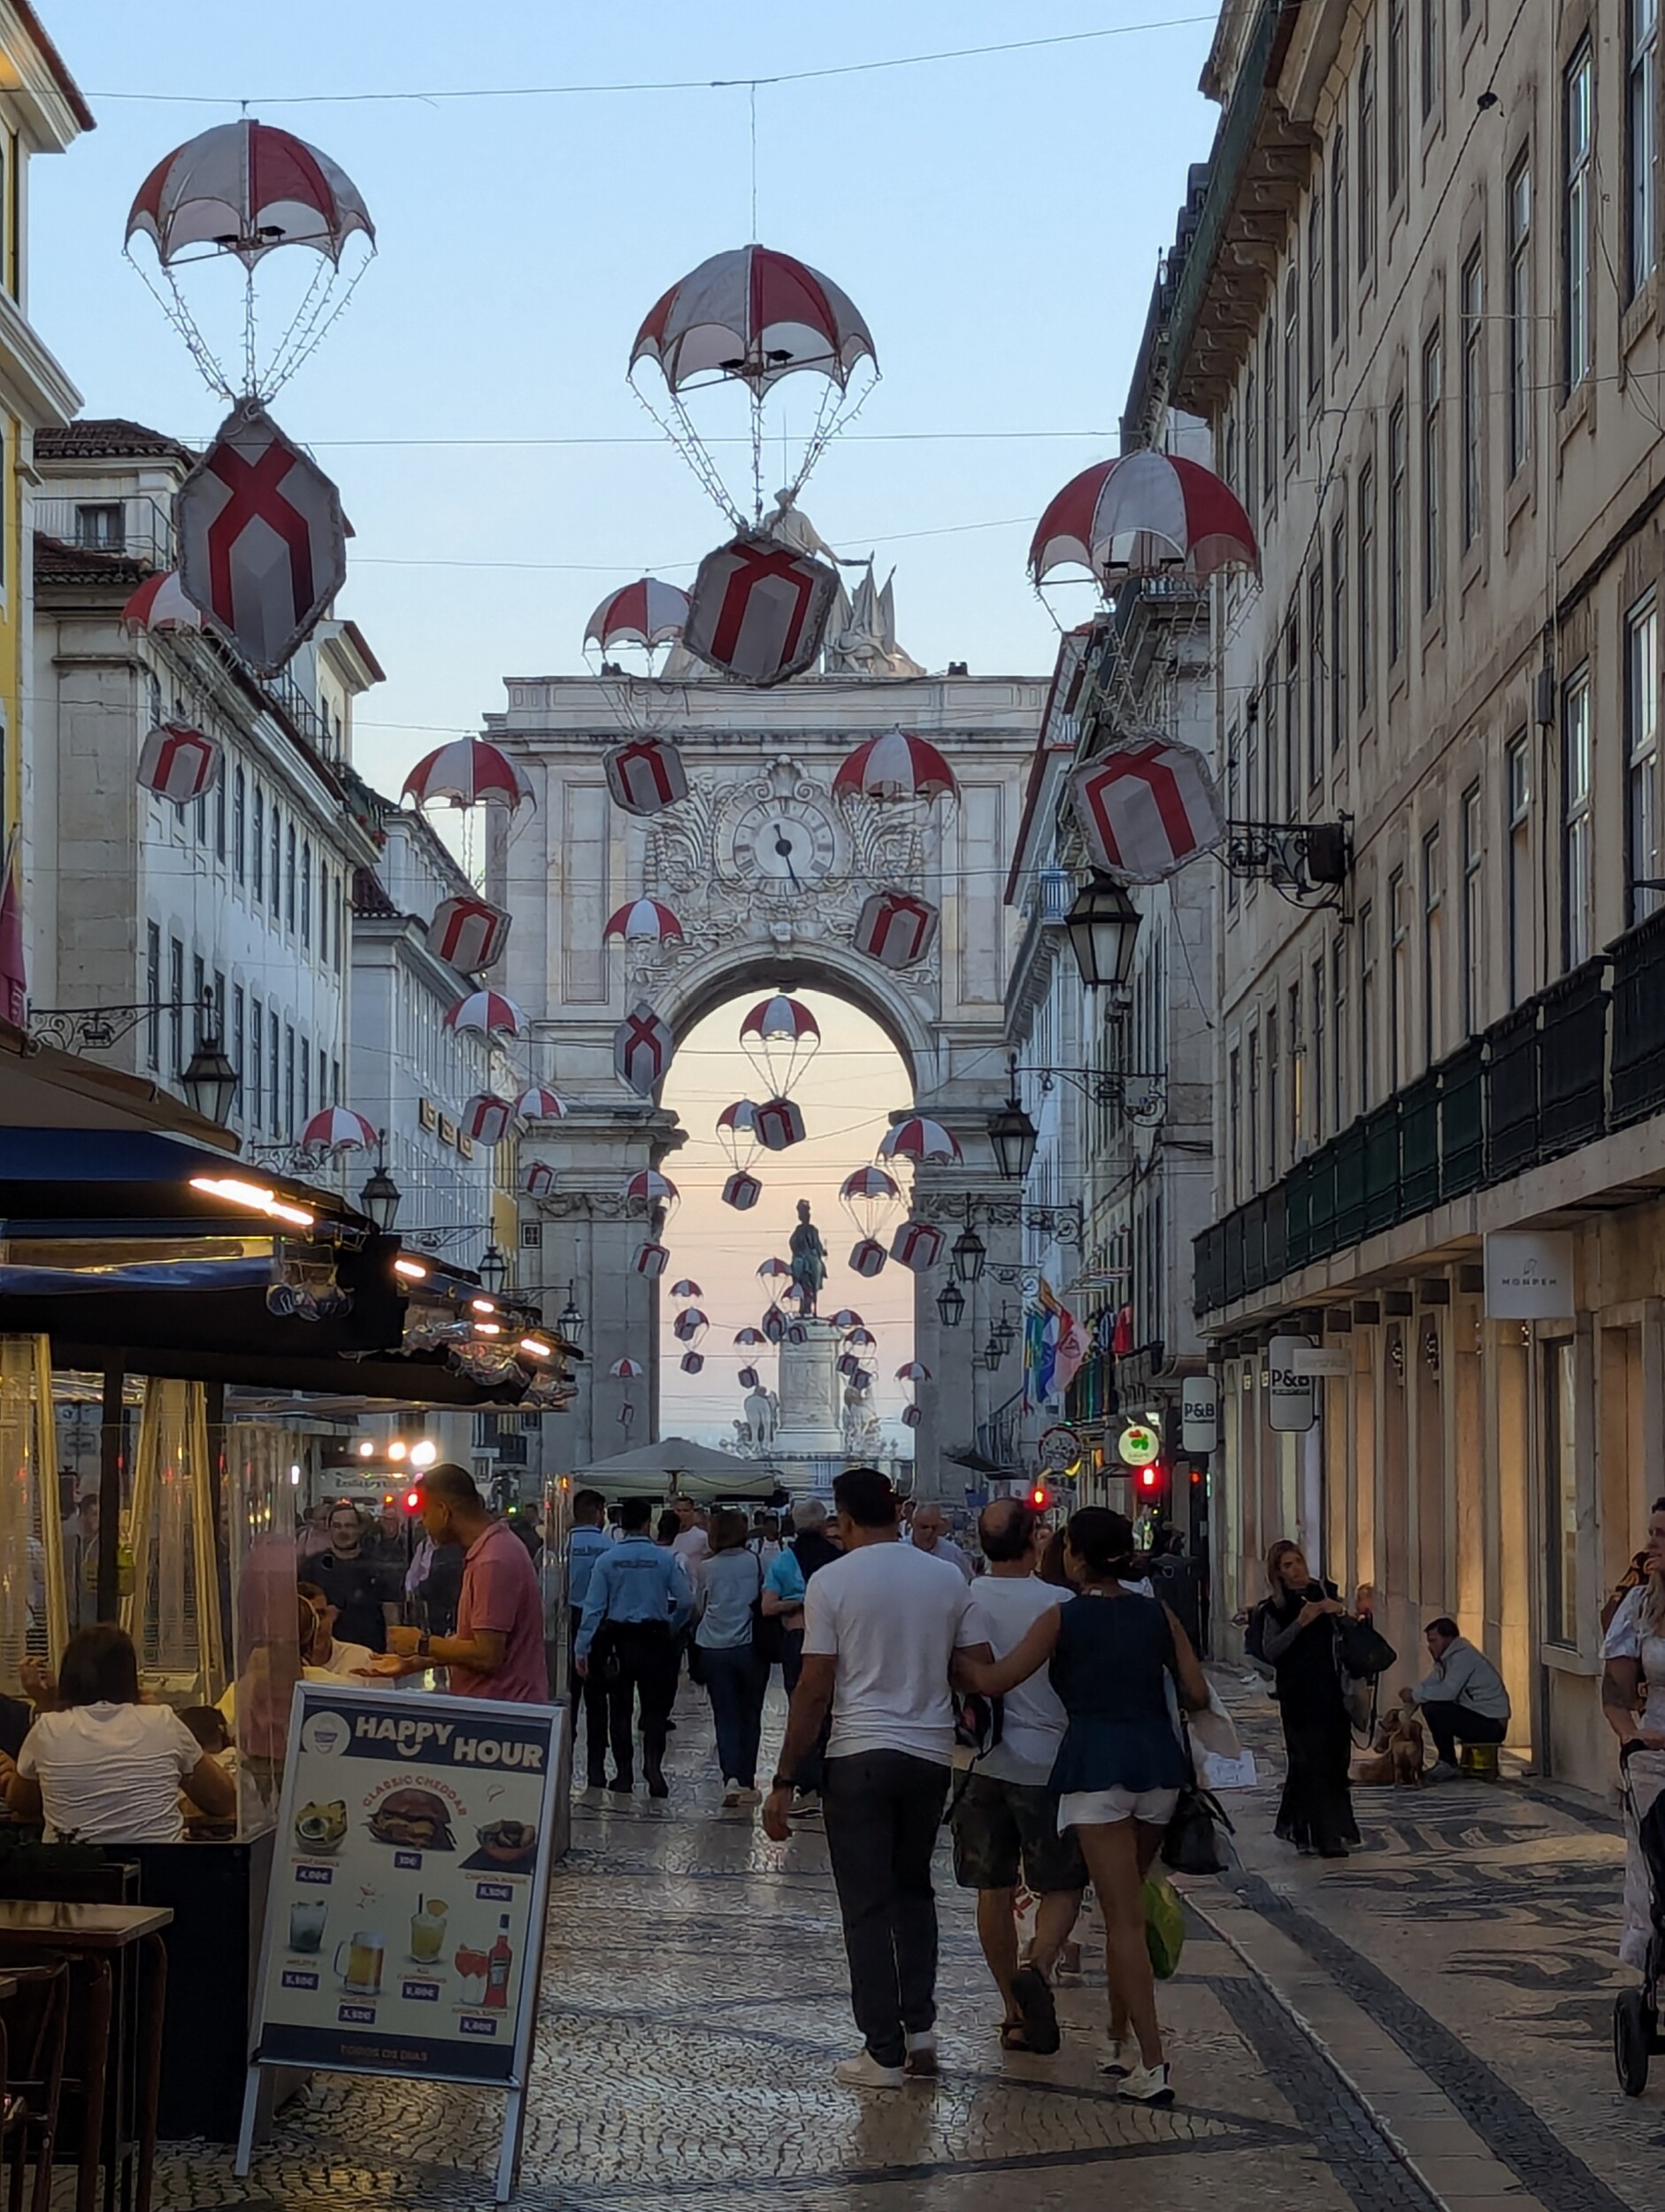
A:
979,1722
1364,1653
1191,1844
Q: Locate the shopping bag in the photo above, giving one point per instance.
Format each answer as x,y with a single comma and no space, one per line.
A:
1164,1926
1193,1845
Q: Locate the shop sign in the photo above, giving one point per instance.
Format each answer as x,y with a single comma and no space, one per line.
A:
1291,1400
1198,1413
1528,1275
405,1920
1139,1444
1059,1449
1322,1359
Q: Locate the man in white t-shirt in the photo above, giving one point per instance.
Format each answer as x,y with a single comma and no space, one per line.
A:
931,1536
691,1544
1005,1815
881,1626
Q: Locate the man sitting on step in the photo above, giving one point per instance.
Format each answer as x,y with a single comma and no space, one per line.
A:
1463,1700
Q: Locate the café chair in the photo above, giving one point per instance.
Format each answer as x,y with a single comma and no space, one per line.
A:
34,2027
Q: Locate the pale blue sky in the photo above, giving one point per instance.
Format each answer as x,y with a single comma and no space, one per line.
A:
997,220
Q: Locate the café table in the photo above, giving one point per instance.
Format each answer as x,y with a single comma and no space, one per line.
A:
100,1938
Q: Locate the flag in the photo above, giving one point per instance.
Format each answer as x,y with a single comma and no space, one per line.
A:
15,984
1037,1357
1067,1336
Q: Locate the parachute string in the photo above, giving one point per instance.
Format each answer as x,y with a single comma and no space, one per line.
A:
752,90
757,460
172,305
304,317
249,384
834,415
678,425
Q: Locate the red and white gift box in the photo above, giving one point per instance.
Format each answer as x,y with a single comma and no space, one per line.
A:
916,1245
896,928
867,1257
742,1191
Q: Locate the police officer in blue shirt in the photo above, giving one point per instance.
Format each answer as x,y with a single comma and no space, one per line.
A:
587,1543
636,1599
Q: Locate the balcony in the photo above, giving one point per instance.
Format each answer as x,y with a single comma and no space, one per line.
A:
136,528
1583,1059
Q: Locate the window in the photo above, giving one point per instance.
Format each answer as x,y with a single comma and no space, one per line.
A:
199,992
1398,97
1269,410
306,1083
1367,584
1292,712
1367,158
239,821
219,817
99,527
340,904
1233,800
1317,1048
1518,766
289,877
176,1007
1314,674
1338,1047
1314,286
1433,30
1367,1000
257,846
1252,1117
1274,1099
201,819
1578,219
288,1123
1251,450
1252,793
254,1088
152,993
275,856
1577,887
239,1041
273,1074
1561,1504
1472,426
1337,632
1397,524
306,891
1234,1107
1433,949
1641,144
1292,349
1297,1075
1520,312
1433,469
1473,912
1337,235
1641,759
1398,980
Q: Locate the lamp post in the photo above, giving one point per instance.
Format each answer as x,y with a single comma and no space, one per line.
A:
950,1305
380,1196
571,1321
1103,927
1014,1138
209,1080
494,1268
969,1255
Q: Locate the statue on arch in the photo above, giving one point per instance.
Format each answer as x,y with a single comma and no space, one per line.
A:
808,1260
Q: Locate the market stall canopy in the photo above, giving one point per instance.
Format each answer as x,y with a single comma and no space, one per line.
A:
678,1464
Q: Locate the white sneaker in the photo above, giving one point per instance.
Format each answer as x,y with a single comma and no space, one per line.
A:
751,1797
920,2062
1120,2056
864,2071
1147,2085
731,1796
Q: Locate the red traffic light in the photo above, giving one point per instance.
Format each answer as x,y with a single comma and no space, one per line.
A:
1040,1497
412,1500
1149,1478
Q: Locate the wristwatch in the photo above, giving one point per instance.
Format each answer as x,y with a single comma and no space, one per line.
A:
422,1643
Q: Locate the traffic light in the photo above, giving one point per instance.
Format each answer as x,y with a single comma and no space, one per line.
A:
412,1500
1040,1497
1150,1479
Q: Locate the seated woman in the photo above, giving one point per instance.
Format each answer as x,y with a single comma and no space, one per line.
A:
102,1768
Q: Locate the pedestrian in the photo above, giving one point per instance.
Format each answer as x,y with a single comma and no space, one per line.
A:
667,1528
356,1582
764,1540
636,1607
789,1575
931,1536
1463,1700
881,1627
497,1650
1005,1816
588,1543
79,1538
728,1586
1298,1640
1633,1684
691,1543
322,1647
1120,1769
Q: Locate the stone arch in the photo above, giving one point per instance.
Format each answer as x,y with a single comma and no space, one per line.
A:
699,987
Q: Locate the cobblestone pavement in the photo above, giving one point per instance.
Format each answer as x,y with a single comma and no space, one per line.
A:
693,2006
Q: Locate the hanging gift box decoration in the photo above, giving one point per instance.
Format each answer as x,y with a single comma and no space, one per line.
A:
758,610
774,1324
916,1245
691,1363
486,1118
178,762
471,934
540,1178
749,1379
646,775
868,1257
797,1334
896,928
779,1125
649,1260
849,1365
741,1191
642,1047
912,1417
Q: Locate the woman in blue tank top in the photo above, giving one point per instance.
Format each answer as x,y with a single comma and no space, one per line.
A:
1121,1766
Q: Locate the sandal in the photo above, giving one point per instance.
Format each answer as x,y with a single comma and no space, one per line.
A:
1033,1994
1015,2037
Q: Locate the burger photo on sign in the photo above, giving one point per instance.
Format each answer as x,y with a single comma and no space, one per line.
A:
415,1819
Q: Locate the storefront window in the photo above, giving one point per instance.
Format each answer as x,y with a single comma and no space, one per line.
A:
1561,1501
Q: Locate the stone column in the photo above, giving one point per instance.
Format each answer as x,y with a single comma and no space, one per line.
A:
811,1393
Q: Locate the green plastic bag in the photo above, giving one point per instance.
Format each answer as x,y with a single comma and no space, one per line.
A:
1164,1926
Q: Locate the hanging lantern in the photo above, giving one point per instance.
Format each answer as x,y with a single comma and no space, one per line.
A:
747,1379
468,771
486,1118
779,1124
867,1257
895,767
741,1191
540,1178
644,922
471,934
489,1012
646,775
896,928
649,1259
642,1049
691,1363
916,1245
759,610
178,762
539,1104
912,1417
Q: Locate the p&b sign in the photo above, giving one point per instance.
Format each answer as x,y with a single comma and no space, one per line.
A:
1291,1400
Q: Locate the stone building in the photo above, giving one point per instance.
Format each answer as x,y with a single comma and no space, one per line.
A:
1421,314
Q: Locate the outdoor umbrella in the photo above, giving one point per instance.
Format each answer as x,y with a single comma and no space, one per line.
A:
678,1466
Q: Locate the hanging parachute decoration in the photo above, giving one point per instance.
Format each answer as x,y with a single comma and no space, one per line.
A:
775,1270
913,1370
238,192
920,1139
687,1289
779,1036
690,1325
775,1325
894,769
870,1197
160,603
846,1317
626,1371
488,1011
779,1124
653,1191
467,771
338,1129
471,934
750,1336
645,776
858,1339
540,1103
644,922
644,615
737,1133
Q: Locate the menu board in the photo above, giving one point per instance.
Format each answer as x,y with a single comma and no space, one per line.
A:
405,1922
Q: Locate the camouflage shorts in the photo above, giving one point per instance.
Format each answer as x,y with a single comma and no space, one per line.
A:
999,1827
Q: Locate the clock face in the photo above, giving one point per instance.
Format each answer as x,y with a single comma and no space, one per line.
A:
787,842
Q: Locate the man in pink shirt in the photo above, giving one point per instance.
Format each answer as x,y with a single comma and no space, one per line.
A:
497,1650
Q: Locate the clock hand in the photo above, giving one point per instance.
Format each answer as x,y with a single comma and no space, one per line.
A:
783,846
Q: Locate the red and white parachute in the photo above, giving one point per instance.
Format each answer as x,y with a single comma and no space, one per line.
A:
737,1133
489,1012
646,614
338,1129
644,921
468,771
779,1036
920,1139
870,1197
894,768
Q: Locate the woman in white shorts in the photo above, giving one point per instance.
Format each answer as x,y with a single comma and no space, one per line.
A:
1121,1766
1633,1685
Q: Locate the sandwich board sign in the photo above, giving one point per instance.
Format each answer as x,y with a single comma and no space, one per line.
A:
1291,1400
404,1918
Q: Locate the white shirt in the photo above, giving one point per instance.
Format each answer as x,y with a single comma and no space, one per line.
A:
110,1773
346,1658
891,1616
691,1546
999,1611
1625,1640
945,1547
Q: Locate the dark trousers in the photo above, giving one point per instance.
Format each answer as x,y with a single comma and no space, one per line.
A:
813,1765
646,1653
883,1810
1450,1725
736,1679
589,1698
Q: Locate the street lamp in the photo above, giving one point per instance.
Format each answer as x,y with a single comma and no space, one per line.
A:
1013,1135
951,1304
494,1268
993,1352
209,1080
969,1255
571,1321
1003,1330
380,1198
1103,925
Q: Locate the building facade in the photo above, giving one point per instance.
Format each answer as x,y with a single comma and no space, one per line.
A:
1421,314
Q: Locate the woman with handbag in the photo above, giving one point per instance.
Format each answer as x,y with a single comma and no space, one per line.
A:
728,1586
1121,1767
1299,1624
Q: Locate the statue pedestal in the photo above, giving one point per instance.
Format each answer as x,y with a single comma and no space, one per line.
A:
811,1395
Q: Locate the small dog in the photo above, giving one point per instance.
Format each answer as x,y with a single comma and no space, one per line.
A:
1406,1747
